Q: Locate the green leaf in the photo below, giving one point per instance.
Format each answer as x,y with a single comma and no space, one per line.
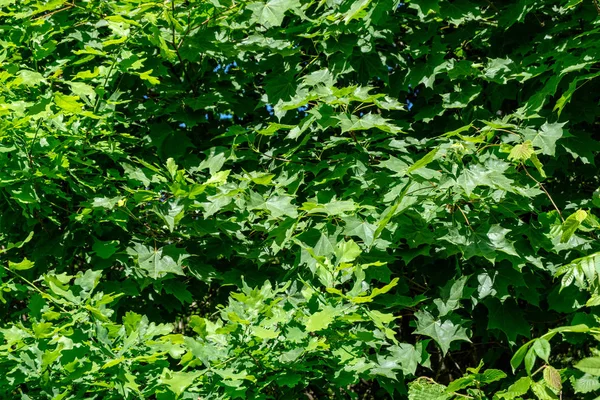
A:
491,375
105,250
542,348
355,10
347,251
264,333
30,78
426,159
22,265
586,384
68,103
517,389
422,389
157,262
521,152
178,381
443,332
171,213
408,356
81,90
590,365
271,13
508,318
146,76
519,355
321,319
571,224
450,296
545,138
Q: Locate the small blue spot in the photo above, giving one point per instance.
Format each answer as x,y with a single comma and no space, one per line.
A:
225,116
409,105
218,67
206,117
145,97
182,125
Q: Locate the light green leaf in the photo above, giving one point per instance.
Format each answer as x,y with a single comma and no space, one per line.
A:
590,365
426,159
542,348
517,389
149,78
571,224
68,103
81,89
30,78
178,381
22,265
545,138
355,10
423,389
347,251
264,333
280,206
321,319
270,13
586,384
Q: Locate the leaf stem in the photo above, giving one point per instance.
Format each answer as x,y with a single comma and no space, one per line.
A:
545,191
44,294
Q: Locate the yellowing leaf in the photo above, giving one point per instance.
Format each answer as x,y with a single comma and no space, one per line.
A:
521,152
552,378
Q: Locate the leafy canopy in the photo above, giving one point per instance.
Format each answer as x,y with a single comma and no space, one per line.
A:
299,199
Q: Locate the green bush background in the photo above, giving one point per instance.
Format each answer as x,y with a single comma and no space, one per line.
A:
299,199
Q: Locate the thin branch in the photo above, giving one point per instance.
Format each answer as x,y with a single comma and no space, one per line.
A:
176,48
44,294
465,217
53,12
545,191
30,152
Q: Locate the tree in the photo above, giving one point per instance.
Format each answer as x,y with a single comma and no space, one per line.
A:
298,198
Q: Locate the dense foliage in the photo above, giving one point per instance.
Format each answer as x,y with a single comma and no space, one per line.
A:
288,199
